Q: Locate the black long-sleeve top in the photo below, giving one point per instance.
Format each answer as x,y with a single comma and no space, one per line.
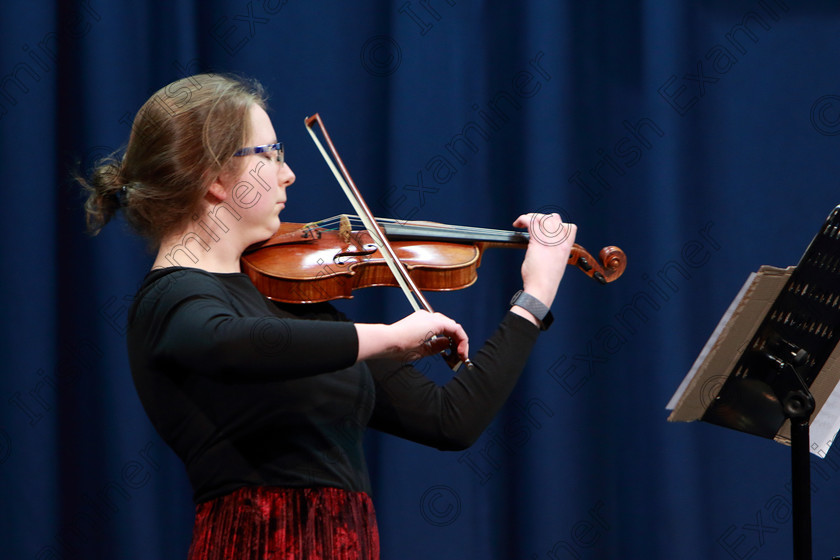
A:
248,392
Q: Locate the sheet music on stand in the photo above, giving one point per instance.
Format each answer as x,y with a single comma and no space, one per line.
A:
799,302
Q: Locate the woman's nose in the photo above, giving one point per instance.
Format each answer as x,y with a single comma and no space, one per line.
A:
285,175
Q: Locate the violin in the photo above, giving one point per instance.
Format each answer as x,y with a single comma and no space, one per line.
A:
345,259
327,260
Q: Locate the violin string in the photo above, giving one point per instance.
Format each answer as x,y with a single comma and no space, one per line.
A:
461,231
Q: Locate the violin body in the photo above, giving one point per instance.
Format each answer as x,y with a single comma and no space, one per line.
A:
328,264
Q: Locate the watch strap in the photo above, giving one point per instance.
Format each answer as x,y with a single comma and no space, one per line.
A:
533,306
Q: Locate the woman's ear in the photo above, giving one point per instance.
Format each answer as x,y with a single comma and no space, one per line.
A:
216,192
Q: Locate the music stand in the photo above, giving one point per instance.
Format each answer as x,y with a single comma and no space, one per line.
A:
773,362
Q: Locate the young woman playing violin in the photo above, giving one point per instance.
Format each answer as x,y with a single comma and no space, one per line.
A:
266,403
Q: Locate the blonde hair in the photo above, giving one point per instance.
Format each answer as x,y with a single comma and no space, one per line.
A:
182,138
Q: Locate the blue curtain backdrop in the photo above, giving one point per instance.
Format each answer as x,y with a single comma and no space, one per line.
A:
701,137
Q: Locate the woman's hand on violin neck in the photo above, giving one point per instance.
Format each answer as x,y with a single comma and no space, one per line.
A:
418,335
548,252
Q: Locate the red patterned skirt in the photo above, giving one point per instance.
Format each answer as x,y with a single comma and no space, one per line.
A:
286,524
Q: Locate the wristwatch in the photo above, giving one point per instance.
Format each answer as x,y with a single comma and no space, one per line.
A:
534,306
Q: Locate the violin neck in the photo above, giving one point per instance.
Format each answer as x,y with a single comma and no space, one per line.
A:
455,234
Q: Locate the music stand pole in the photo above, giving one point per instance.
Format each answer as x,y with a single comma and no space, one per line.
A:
798,405
801,487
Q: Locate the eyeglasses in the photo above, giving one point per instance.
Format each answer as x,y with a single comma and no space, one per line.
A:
281,153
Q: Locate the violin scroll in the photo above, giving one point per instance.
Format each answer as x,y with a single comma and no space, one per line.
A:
612,263
614,260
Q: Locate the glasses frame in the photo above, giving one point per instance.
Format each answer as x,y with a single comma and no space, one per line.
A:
281,151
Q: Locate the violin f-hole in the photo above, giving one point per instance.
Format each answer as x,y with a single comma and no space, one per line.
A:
344,257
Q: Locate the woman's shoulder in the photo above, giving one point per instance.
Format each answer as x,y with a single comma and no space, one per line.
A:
165,288
160,281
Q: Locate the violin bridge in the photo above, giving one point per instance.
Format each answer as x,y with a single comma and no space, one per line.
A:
344,229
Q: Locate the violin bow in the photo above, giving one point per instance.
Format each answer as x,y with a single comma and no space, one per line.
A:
412,292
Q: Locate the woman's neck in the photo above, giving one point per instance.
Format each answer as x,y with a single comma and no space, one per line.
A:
203,245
